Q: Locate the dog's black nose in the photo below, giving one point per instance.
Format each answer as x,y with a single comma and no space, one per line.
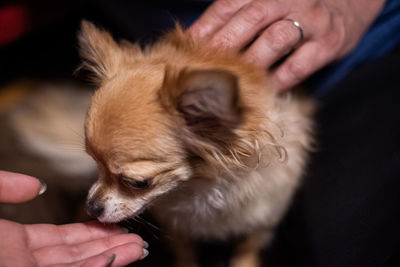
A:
94,208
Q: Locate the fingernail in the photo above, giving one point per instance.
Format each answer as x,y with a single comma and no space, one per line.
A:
145,253
111,260
145,244
43,187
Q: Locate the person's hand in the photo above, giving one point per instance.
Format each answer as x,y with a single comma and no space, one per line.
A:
80,244
264,29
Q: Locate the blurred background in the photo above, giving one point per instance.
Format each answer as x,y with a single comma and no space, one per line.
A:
42,108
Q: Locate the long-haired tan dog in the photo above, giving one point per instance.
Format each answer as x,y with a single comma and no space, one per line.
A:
198,136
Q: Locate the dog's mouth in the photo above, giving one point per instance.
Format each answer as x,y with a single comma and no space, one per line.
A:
134,221
143,208
130,217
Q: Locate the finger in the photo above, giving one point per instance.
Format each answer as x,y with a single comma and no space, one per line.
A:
102,260
124,255
246,24
71,253
16,188
275,42
215,17
42,235
300,65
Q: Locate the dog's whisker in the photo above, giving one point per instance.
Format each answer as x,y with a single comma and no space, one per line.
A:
148,223
150,229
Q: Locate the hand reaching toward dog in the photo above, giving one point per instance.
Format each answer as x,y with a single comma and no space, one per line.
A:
266,31
79,244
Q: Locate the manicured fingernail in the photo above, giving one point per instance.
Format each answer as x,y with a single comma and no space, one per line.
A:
145,244
43,187
111,260
145,253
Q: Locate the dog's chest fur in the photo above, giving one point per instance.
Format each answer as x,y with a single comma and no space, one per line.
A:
229,205
241,200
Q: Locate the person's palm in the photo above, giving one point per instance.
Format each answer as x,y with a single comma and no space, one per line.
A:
79,244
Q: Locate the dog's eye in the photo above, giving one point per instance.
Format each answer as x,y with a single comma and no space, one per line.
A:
136,184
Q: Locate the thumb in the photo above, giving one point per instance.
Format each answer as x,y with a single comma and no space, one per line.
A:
16,188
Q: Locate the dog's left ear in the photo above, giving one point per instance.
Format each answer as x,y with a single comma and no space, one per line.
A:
100,52
207,100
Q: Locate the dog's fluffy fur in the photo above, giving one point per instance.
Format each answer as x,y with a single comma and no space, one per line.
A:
196,135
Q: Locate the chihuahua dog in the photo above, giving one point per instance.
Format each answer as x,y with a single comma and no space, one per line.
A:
196,135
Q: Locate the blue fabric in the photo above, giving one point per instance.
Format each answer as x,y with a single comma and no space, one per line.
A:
382,37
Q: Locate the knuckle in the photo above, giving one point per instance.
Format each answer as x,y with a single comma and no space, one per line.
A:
251,56
226,40
107,242
332,31
336,40
227,3
222,7
297,70
280,37
75,252
255,12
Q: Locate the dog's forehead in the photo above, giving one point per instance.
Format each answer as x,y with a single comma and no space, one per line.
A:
128,102
128,155
128,136
138,129
146,135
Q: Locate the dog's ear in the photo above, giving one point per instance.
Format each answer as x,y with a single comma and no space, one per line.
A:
100,52
207,100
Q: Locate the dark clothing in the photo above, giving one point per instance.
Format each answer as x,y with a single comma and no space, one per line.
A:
347,212
381,38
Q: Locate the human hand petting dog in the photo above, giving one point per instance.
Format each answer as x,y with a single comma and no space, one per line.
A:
317,32
79,244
